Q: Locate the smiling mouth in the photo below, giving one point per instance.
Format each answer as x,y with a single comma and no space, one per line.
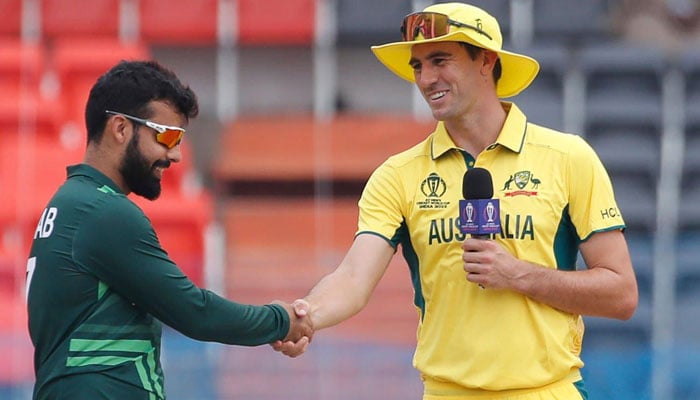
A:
438,95
158,171
159,167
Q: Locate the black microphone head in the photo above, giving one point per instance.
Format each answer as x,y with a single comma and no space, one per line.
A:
477,184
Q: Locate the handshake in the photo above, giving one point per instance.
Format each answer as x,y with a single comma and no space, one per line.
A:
301,329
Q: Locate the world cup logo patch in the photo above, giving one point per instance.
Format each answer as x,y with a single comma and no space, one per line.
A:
433,188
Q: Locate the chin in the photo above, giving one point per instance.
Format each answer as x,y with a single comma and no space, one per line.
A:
438,116
150,192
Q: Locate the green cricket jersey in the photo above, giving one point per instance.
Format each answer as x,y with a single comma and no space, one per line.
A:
98,284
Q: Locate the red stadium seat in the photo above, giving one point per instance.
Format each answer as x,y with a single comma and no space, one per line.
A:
285,143
28,114
178,22
31,169
265,261
355,145
11,18
15,345
78,64
276,22
23,108
21,66
79,18
14,248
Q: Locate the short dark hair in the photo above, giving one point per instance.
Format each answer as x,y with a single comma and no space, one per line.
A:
475,50
129,87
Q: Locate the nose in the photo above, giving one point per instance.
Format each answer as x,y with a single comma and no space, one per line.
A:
426,76
175,154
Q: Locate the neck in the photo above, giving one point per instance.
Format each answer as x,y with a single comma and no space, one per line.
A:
478,129
107,162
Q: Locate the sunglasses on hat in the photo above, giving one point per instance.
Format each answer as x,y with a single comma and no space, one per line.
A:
431,25
169,136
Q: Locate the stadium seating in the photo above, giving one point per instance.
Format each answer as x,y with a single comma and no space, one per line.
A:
22,66
10,18
280,35
641,247
634,335
688,211
623,104
349,147
15,345
362,23
31,169
688,289
689,66
276,22
623,83
275,170
571,21
178,22
62,19
543,101
28,115
686,328
267,262
77,64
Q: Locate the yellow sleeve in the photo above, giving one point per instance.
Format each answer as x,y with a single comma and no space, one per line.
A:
382,203
592,204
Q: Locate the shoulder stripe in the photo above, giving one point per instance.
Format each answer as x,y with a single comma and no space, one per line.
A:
106,189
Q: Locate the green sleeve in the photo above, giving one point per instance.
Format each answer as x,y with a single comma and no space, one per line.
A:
119,246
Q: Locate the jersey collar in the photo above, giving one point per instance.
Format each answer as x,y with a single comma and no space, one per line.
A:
512,134
94,174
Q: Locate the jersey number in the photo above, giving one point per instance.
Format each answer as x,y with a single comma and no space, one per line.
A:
31,264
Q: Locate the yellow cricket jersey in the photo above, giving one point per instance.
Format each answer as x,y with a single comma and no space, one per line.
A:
554,193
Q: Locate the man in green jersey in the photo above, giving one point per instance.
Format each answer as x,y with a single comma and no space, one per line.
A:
498,318
98,282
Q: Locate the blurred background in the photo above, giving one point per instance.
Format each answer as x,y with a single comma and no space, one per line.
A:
295,114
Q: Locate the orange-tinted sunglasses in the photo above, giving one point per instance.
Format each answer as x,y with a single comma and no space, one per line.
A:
169,136
431,25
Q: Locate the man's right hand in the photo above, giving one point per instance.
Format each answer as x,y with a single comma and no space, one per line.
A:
300,329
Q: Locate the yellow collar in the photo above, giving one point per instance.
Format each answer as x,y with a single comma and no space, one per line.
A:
512,135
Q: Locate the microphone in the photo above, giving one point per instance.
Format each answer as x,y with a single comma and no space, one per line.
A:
479,212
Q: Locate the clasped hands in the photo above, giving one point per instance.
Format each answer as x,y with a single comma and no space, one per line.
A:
301,329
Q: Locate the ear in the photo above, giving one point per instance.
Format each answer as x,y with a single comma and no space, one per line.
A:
118,129
488,62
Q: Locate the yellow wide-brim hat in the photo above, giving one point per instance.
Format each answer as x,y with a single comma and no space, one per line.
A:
518,70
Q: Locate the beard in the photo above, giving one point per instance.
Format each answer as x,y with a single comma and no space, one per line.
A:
138,173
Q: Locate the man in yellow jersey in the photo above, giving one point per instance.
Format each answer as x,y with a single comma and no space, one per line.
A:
499,318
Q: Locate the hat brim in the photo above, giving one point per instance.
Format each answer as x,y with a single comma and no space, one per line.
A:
518,70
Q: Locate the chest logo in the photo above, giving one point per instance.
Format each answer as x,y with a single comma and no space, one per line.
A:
433,188
525,182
